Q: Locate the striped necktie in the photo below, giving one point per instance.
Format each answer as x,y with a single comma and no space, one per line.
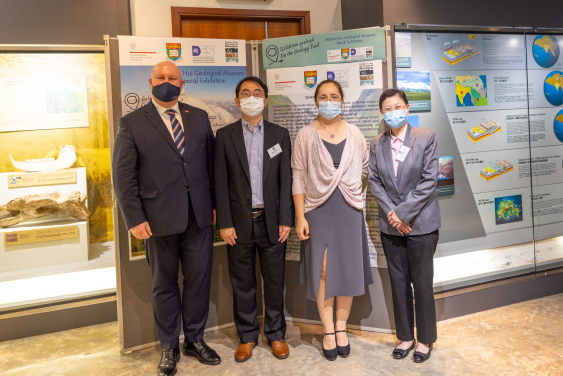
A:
177,131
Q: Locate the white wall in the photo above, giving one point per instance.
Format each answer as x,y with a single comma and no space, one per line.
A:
152,18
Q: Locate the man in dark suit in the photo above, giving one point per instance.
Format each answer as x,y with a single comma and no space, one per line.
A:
163,178
255,212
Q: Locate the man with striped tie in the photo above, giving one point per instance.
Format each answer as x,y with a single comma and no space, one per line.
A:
163,179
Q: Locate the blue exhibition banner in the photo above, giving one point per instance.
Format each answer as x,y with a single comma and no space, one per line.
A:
330,48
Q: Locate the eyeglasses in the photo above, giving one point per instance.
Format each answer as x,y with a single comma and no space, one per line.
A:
256,94
324,98
391,108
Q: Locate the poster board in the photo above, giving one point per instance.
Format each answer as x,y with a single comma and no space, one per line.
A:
210,68
291,103
494,109
137,329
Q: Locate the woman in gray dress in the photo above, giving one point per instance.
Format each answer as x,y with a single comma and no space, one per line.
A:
329,161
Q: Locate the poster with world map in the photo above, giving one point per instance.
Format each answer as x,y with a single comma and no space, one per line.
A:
471,90
497,113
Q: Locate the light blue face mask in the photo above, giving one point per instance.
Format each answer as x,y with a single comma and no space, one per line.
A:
395,119
329,110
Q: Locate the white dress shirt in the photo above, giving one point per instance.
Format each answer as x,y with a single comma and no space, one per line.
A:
166,118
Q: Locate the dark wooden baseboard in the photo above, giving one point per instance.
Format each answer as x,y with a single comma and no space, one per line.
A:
497,295
56,318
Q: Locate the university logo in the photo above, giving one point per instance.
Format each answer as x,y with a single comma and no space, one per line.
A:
132,45
196,51
330,76
174,51
310,79
345,53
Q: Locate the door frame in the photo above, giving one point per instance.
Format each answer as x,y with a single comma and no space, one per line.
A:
179,13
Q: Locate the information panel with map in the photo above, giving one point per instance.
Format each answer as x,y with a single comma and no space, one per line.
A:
497,109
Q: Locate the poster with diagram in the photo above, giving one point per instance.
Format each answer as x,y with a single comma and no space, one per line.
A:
496,110
291,104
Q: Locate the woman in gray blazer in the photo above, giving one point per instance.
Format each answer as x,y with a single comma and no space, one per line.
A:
403,173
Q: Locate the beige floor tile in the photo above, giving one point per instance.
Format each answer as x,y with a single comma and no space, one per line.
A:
521,339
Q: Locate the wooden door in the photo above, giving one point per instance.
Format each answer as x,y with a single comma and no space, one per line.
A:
238,23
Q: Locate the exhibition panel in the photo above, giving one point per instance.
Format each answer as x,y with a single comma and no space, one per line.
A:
546,136
494,108
56,203
354,58
211,69
359,61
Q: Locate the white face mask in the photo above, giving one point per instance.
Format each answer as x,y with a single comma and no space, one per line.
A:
251,106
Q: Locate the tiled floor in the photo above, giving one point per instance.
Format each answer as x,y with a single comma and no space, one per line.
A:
521,339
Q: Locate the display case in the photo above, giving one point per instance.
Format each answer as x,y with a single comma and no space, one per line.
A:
56,207
493,97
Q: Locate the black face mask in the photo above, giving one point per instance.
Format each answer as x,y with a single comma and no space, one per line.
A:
166,92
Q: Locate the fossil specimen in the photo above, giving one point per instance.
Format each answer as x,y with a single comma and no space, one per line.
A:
66,159
39,205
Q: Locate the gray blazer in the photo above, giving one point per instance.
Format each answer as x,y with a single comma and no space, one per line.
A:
412,195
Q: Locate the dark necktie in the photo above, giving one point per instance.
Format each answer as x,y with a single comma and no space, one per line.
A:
177,131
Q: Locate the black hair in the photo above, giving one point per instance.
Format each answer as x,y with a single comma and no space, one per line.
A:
253,79
391,93
334,82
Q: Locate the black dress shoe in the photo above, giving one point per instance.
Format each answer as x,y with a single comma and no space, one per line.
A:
329,354
168,360
202,352
402,354
419,357
343,351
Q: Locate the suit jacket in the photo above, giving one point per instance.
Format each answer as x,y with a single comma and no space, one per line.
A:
232,181
412,195
150,177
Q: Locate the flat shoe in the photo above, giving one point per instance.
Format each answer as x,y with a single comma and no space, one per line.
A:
419,357
402,354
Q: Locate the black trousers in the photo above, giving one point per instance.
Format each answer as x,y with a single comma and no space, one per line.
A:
193,249
410,260
242,271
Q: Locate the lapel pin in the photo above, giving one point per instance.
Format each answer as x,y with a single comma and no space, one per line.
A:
187,111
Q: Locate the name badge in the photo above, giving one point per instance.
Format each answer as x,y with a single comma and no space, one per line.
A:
402,153
274,150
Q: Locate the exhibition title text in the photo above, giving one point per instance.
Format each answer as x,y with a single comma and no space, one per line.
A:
208,76
298,48
346,39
